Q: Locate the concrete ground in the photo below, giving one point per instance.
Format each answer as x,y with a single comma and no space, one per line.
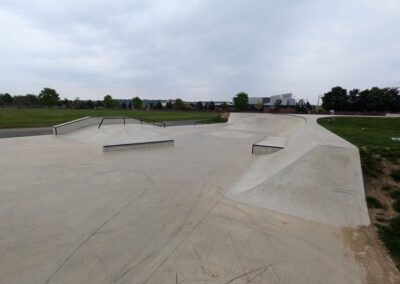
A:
195,212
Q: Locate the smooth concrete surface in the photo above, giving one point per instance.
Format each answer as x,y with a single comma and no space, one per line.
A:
70,213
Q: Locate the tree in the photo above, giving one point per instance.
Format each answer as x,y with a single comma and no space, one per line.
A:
336,99
277,104
301,106
27,100
49,97
7,98
395,99
78,103
123,105
90,104
158,105
99,104
179,104
211,105
108,101
199,105
168,105
137,103
259,106
241,101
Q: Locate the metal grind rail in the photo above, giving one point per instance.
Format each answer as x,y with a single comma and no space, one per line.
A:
115,117
152,121
142,120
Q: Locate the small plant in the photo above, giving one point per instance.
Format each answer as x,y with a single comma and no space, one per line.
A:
395,175
395,194
373,202
390,235
396,205
387,188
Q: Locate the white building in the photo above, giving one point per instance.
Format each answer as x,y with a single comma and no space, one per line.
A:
286,100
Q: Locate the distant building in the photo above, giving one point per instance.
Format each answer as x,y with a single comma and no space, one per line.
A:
286,100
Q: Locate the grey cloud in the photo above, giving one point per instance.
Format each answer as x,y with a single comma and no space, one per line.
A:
197,49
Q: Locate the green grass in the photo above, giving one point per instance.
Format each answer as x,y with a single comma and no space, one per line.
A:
373,138
390,235
25,117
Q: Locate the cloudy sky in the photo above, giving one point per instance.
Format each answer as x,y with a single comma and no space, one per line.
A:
197,49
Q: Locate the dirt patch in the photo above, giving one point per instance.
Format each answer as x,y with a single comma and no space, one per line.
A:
225,116
381,189
370,252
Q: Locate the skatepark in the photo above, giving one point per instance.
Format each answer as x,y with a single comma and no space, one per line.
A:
262,198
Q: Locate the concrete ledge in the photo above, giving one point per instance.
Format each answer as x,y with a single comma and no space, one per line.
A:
136,145
88,121
269,145
74,125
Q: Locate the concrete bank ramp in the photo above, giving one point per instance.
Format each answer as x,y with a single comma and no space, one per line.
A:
278,125
317,176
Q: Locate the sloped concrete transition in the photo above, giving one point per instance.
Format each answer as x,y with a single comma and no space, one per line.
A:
201,210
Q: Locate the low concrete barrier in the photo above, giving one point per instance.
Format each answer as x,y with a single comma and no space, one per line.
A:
88,121
393,115
75,124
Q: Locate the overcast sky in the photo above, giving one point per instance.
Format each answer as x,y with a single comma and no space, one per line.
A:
198,49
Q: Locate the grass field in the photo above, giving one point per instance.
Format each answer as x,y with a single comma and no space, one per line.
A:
380,158
18,118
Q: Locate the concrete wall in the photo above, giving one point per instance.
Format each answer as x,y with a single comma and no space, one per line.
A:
87,121
75,125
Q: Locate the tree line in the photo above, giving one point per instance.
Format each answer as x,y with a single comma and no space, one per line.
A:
50,98
368,100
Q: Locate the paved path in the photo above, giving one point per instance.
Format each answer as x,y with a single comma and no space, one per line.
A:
21,132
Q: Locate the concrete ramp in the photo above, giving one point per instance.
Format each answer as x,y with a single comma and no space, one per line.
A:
317,176
277,125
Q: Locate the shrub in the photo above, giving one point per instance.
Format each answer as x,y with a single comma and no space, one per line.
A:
396,205
395,194
373,202
390,235
395,175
